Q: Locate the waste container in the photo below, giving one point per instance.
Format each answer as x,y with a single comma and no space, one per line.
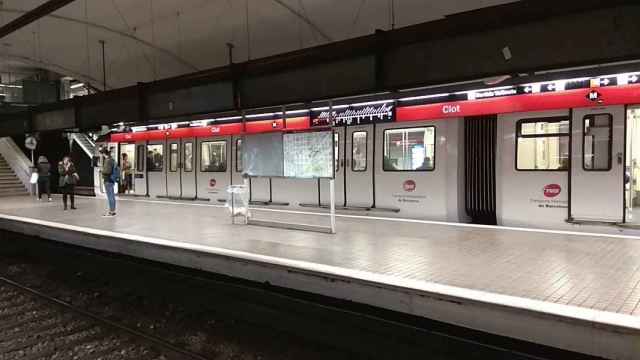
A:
33,181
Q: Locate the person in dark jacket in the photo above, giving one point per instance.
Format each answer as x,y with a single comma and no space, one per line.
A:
108,166
67,181
44,173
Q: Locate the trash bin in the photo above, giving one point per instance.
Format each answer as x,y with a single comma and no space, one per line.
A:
33,181
238,201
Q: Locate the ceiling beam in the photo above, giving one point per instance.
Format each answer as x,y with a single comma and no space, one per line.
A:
33,15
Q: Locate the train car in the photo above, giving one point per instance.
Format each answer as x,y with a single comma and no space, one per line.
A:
561,155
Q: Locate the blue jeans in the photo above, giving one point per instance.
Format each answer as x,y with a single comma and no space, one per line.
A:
111,196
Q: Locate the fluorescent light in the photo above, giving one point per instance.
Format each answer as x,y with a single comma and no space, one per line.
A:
297,111
11,86
372,103
411,98
78,85
227,118
259,115
198,123
333,107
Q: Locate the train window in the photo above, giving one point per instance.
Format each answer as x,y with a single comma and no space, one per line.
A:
213,156
187,152
140,158
155,157
239,164
596,142
173,157
542,144
410,149
359,151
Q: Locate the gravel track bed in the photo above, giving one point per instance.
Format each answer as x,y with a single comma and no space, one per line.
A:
33,328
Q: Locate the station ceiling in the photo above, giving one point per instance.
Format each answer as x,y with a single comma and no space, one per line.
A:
146,40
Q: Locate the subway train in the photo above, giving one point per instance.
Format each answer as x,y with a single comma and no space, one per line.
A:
556,155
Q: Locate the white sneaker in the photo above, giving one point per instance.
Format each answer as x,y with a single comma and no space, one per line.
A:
50,200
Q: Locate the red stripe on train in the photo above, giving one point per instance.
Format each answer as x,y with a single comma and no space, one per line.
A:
218,130
618,95
253,127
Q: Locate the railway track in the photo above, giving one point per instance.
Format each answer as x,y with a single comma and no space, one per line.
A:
34,325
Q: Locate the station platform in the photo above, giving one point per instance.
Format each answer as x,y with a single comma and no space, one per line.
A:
573,291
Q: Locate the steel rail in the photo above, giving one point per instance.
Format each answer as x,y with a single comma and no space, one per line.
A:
101,320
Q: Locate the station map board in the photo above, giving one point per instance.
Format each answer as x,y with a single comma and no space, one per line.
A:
296,155
308,155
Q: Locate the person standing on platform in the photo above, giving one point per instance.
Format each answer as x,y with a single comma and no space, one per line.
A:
67,181
109,177
127,177
44,173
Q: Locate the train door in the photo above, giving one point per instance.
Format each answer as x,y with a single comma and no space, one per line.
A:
597,164
238,169
140,173
632,174
157,180
339,166
214,172
126,161
173,169
187,171
411,169
359,166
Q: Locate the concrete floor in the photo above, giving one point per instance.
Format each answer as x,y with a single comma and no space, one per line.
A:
594,272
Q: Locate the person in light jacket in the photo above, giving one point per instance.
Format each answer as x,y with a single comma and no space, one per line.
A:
44,173
67,181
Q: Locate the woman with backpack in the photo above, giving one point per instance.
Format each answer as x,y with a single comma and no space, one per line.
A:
67,181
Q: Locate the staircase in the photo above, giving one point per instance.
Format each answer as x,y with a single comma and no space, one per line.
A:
89,148
85,142
10,184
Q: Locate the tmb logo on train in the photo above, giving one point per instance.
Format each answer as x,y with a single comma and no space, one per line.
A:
212,183
551,190
409,186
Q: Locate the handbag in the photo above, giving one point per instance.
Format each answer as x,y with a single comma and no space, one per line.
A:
34,178
76,177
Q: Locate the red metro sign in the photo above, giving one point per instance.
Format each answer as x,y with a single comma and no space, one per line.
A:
551,190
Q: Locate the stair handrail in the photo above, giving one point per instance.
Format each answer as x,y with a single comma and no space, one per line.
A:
77,139
90,140
17,160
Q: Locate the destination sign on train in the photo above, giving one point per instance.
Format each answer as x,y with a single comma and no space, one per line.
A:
354,115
